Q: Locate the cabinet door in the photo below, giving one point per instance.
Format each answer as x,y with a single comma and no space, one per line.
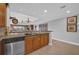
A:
1,48
2,14
36,42
42,40
28,44
46,36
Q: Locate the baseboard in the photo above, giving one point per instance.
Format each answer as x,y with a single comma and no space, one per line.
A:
68,42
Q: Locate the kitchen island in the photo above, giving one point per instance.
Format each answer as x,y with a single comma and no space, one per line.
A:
36,41
32,41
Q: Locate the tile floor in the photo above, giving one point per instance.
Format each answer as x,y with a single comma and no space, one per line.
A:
58,48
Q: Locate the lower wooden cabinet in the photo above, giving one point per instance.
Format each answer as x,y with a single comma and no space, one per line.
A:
1,47
34,42
42,39
28,44
46,37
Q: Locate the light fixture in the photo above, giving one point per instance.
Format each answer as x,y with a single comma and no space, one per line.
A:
68,11
45,11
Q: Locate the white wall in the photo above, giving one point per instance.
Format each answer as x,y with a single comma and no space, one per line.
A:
60,30
22,19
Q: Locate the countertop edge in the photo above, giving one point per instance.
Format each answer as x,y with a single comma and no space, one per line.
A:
22,35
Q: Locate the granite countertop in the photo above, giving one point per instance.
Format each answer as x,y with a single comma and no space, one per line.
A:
22,34
37,32
11,36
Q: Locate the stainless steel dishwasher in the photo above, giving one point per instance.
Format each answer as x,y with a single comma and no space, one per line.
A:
14,46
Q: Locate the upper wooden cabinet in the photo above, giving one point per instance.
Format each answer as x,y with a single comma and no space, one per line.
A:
2,14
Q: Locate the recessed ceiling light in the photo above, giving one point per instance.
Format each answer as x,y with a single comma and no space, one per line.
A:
45,11
68,11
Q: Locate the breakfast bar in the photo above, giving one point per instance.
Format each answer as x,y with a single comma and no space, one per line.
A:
29,42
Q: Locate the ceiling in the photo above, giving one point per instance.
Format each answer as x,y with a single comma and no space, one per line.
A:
52,11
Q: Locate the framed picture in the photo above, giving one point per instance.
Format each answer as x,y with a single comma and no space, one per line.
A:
72,20
71,28
72,24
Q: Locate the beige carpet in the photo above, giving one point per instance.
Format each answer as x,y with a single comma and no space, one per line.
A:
58,48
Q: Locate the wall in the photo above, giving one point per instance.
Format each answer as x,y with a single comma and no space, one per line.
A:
22,19
60,30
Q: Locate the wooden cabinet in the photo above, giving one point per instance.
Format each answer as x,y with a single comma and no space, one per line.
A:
33,42
44,39
2,14
1,47
36,42
28,44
